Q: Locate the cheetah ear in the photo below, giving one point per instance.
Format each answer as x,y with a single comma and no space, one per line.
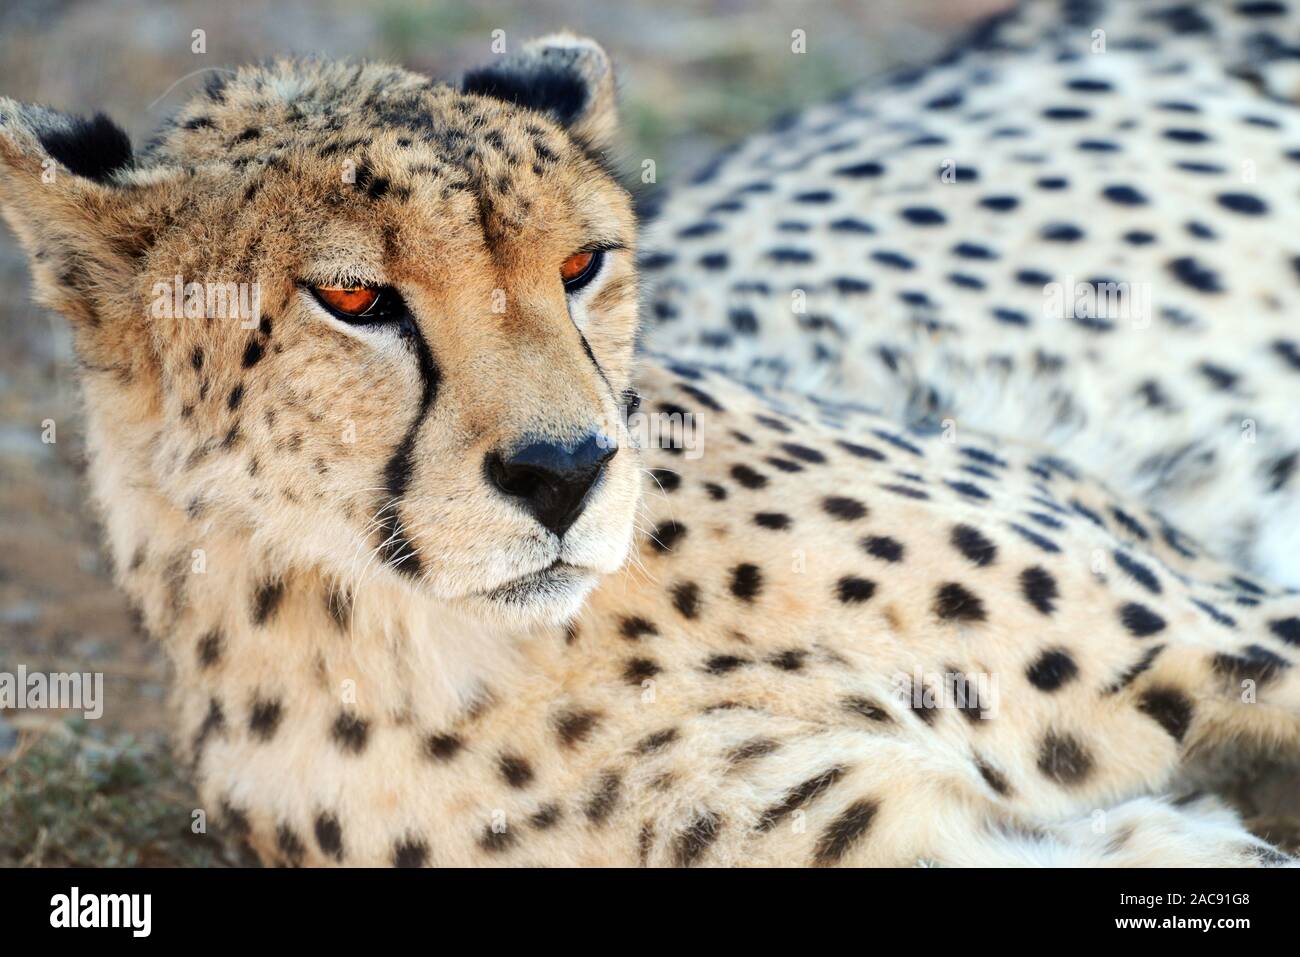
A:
568,77
63,192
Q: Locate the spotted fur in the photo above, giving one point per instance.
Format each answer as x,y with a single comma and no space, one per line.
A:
917,243
758,654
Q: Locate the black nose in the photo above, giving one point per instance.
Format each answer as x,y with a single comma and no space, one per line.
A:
552,481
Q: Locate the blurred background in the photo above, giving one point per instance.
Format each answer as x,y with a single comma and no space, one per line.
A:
694,76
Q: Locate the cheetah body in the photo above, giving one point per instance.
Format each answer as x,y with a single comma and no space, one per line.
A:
1075,237
748,653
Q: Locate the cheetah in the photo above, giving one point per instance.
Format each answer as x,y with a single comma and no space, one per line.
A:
434,592
1076,229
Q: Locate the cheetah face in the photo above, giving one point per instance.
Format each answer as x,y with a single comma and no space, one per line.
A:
384,325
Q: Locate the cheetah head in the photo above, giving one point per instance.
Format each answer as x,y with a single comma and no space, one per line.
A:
382,325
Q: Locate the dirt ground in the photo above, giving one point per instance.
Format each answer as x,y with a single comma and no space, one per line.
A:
694,76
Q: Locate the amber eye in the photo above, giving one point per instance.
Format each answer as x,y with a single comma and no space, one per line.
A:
580,269
355,301
577,264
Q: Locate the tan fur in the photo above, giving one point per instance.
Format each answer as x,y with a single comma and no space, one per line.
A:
338,708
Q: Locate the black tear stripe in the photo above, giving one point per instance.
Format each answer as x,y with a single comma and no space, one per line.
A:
397,471
586,347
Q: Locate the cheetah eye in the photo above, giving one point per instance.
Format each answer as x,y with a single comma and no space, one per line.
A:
360,304
354,303
580,269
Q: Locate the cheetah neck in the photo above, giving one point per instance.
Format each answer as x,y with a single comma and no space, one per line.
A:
233,615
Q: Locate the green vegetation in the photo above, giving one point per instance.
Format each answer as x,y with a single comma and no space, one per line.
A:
68,798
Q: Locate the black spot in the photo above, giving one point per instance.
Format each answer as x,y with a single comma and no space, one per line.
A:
264,719
1243,203
840,507
754,748
573,727
845,831
1061,233
329,835
1029,535
866,452
1131,674
866,170
95,148
665,536
656,741
545,817
1039,588
266,600
236,396
1010,317
495,840
1124,196
1064,759
214,722
1130,524
338,604
852,590
923,216
1140,620
747,477
993,777
743,320
1281,469
1223,379
1170,708
798,796
722,664
1065,113
635,627
969,489
1256,664
1000,204
666,479
252,353
1192,273
350,732
686,599
953,602
638,670
866,708
746,581
442,747
883,547
1051,670
605,798
773,520
235,819
289,844
516,771
1288,629
696,838
1186,136
410,853
973,544
210,646
803,453
1139,572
